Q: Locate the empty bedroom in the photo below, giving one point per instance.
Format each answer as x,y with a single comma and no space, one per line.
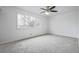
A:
39,29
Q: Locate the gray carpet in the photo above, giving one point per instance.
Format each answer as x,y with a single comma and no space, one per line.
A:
42,44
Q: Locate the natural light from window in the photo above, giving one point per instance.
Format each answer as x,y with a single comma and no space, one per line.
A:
24,21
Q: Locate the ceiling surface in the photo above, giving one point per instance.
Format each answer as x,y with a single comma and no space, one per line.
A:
36,9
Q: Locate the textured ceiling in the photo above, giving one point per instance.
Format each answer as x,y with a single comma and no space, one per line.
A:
61,9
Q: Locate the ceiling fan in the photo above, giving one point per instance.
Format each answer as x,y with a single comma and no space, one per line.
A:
48,9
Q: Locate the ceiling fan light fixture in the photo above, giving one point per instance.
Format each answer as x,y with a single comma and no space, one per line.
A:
47,13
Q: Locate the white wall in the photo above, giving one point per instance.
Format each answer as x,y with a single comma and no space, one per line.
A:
78,22
78,26
8,30
61,24
64,24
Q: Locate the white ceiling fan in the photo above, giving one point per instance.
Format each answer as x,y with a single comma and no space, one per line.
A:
48,10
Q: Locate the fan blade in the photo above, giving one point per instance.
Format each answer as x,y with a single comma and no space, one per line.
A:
47,7
52,7
42,8
53,10
42,12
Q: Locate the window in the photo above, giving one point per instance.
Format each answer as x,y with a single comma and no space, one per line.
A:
24,21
